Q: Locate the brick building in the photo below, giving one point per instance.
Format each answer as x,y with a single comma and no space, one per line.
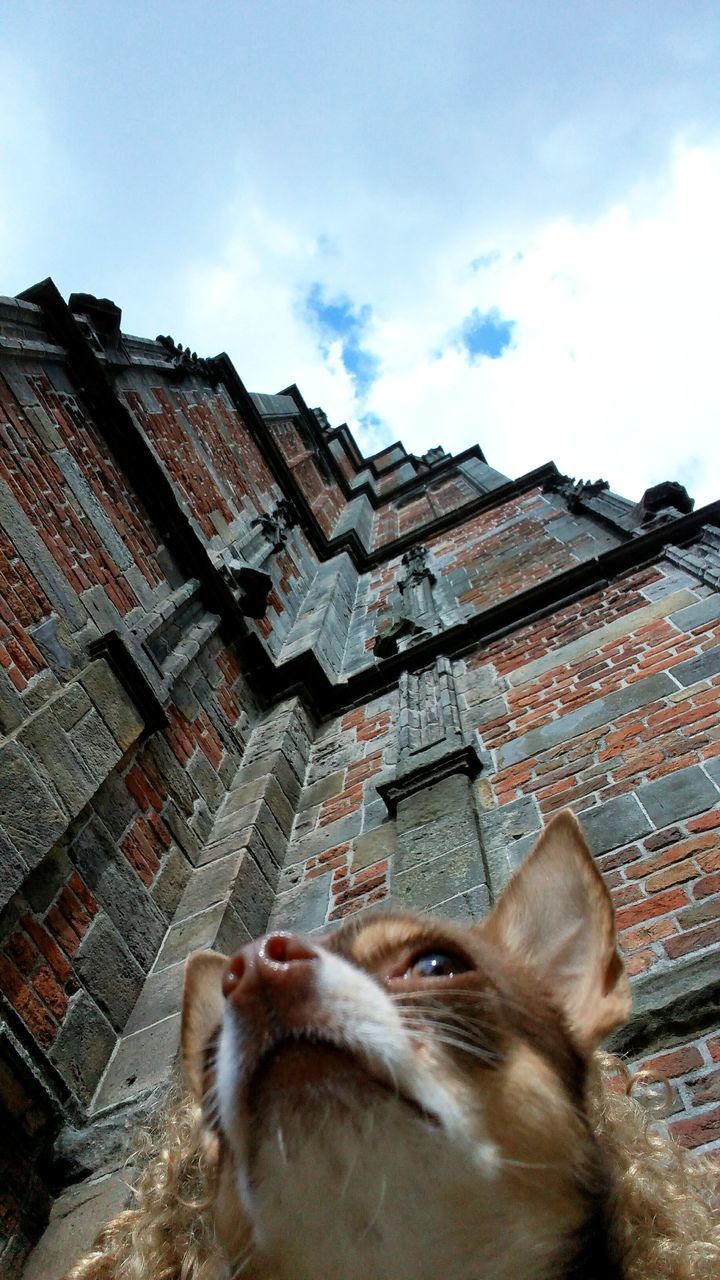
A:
248,675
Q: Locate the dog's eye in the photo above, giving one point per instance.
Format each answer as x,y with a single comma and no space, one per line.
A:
437,964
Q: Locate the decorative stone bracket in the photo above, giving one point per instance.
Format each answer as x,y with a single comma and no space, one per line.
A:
244,564
659,505
415,614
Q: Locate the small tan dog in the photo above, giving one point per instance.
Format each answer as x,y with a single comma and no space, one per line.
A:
409,1099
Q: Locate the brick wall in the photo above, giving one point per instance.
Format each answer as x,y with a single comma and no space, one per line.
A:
200,733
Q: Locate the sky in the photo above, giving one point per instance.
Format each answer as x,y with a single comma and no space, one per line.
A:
448,221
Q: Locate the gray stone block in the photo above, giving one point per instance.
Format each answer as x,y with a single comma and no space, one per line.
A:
12,709
59,650
82,1047
613,824
171,880
456,827
206,780
96,747
195,933
251,897
108,971
114,805
141,1061
232,933
326,837
182,833
466,908
712,769
112,702
41,564
677,795
698,615
700,668
433,803
177,780
13,869
592,715
374,845
423,887
76,1218
122,895
208,885
29,815
51,748
304,907
160,998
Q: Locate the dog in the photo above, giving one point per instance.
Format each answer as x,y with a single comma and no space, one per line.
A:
407,1098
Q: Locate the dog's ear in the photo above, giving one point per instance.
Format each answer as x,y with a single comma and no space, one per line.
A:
556,917
202,1011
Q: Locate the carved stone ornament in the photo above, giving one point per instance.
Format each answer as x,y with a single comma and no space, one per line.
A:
185,362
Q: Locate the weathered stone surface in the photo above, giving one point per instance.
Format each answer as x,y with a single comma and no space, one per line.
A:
712,768
206,780
171,880
251,897
591,715
77,1216
323,789
13,869
83,1046
698,615
433,803
194,933
31,818
615,823
141,1061
373,845
96,746
160,997
114,805
208,885
700,668
45,741
325,837
303,908
456,827
12,709
467,907
122,895
438,880
108,971
112,702
677,795
508,832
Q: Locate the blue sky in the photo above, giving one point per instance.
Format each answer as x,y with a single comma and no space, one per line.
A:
446,220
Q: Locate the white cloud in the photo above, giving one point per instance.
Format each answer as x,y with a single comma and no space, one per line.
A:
614,364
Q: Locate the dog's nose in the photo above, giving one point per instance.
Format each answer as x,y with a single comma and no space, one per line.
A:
278,960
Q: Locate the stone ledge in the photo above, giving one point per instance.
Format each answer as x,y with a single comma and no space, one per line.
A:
462,760
672,1006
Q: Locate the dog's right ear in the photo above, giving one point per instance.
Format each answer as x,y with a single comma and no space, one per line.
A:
202,1012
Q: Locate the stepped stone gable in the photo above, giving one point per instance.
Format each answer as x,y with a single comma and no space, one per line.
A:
250,678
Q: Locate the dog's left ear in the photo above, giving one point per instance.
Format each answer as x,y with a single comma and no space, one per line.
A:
202,1012
557,919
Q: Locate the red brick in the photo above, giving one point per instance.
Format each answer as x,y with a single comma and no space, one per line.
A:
713,1045
48,947
706,1089
20,950
50,992
62,931
79,887
640,962
644,935
73,910
659,839
677,1062
676,853
693,940
659,904
705,822
679,873
142,791
697,1130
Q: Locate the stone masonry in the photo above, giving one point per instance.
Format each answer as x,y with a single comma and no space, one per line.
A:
249,677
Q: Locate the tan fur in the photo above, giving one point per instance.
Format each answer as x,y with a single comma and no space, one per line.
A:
508,1044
